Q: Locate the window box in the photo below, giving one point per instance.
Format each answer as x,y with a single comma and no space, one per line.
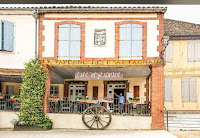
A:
54,99
133,101
1,97
82,100
107,101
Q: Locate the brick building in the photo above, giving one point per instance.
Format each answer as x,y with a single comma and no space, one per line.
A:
94,52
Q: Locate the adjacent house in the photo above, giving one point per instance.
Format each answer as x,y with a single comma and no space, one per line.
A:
181,71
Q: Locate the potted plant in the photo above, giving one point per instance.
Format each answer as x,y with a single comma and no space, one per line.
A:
15,97
31,115
83,99
134,100
1,96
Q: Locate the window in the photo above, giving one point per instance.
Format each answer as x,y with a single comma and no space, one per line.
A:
193,50
69,42
169,52
130,42
10,89
168,90
189,90
6,35
54,90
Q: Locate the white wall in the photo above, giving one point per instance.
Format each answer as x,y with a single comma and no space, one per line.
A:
24,42
73,121
101,52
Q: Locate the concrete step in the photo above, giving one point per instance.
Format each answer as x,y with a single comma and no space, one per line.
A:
183,122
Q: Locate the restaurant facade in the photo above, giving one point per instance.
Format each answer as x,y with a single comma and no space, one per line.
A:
93,53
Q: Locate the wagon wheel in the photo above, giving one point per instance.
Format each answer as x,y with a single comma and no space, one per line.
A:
96,117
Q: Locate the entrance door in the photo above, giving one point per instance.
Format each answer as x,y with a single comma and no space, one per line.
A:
95,92
136,91
118,91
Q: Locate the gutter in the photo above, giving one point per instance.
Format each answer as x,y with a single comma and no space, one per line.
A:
36,16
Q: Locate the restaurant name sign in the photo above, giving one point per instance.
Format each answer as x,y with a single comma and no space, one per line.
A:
98,75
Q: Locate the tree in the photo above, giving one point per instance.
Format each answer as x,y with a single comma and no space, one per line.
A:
32,91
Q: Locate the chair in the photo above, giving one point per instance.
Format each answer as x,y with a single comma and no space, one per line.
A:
16,105
2,104
64,106
143,109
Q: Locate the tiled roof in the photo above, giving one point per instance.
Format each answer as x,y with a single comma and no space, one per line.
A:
174,28
45,9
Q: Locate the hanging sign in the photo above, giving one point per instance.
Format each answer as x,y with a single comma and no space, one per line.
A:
99,75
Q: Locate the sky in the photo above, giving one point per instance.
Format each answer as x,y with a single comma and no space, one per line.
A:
187,13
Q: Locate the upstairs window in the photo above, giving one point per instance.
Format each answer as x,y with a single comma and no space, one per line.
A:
69,42
169,52
6,35
130,42
193,50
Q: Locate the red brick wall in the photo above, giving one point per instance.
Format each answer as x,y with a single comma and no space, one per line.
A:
157,96
47,92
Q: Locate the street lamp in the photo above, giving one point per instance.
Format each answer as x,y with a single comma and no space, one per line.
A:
164,42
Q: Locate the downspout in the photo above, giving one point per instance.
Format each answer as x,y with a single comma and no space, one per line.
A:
36,16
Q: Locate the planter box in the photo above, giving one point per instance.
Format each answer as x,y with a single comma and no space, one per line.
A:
31,128
131,101
54,99
107,101
80,100
1,97
15,99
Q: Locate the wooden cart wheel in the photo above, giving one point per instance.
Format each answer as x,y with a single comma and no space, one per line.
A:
96,117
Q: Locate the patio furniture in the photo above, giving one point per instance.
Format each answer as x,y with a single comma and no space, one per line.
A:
143,109
2,104
64,106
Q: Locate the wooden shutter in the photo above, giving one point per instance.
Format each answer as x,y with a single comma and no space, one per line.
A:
136,41
75,42
69,42
8,33
168,90
105,90
64,42
193,90
86,89
197,50
1,34
185,89
125,42
169,52
191,50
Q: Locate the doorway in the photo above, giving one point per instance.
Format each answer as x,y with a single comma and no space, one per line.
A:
118,91
136,91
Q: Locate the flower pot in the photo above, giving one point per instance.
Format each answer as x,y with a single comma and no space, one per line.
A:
1,97
31,128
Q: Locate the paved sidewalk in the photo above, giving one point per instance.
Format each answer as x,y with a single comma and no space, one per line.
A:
66,133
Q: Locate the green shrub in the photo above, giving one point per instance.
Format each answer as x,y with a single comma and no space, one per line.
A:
32,91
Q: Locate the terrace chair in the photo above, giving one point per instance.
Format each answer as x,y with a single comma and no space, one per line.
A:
2,105
64,106
16,105
143,109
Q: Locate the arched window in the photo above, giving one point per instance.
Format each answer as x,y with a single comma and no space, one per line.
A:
130,42
69,42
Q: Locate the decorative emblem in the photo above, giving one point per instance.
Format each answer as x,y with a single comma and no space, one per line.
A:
100,37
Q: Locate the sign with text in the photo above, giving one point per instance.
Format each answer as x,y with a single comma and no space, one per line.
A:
99,75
